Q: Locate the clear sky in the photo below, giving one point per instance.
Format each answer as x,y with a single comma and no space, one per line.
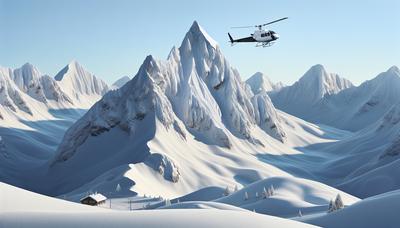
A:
357,39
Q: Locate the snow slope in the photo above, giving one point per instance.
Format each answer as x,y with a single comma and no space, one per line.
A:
377,211
363,164
290,195
375,160
202,205
20,208
120,82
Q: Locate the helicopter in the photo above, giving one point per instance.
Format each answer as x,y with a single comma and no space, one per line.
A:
262,37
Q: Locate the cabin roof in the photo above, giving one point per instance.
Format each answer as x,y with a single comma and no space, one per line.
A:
96,196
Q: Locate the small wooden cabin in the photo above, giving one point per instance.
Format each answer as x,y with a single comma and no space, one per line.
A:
93,199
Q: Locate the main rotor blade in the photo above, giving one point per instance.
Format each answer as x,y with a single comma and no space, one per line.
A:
250,26
275,21
259,26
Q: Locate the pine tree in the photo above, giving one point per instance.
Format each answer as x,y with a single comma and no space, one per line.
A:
338,202
246,196
334,208
271,190
227,191
118,188
167,202
236,188
300,214
265,193
257,195
330,206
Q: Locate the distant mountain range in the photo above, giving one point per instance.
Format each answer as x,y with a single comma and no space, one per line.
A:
326,98
190,122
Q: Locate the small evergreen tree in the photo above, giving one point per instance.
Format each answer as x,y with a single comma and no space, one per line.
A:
330,206
167,202
271,190
246,196
339,202
236,188
300,214
227,191
265,193
257,195
118,188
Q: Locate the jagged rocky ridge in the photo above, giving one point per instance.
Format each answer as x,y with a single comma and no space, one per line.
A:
18,86
195,91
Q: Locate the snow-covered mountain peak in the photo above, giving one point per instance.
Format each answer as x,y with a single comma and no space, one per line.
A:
320,83
394,70
260,82
77,81
313,88
173,54
25,74
388,79
27,78
194,94
316,72
29,67
72,66
197,34
120,82
393,73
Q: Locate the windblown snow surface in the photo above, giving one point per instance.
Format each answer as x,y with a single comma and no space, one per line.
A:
187,142
21,208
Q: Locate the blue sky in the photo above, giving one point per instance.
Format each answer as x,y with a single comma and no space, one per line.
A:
357,39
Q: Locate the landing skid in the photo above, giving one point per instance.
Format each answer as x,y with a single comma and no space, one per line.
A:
264,44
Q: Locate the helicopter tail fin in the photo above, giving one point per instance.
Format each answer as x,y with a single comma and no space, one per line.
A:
230,38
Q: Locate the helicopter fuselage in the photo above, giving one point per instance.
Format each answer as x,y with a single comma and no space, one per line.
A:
265,36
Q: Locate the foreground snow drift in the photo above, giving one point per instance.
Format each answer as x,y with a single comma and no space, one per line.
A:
289,195
157,218
20,208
